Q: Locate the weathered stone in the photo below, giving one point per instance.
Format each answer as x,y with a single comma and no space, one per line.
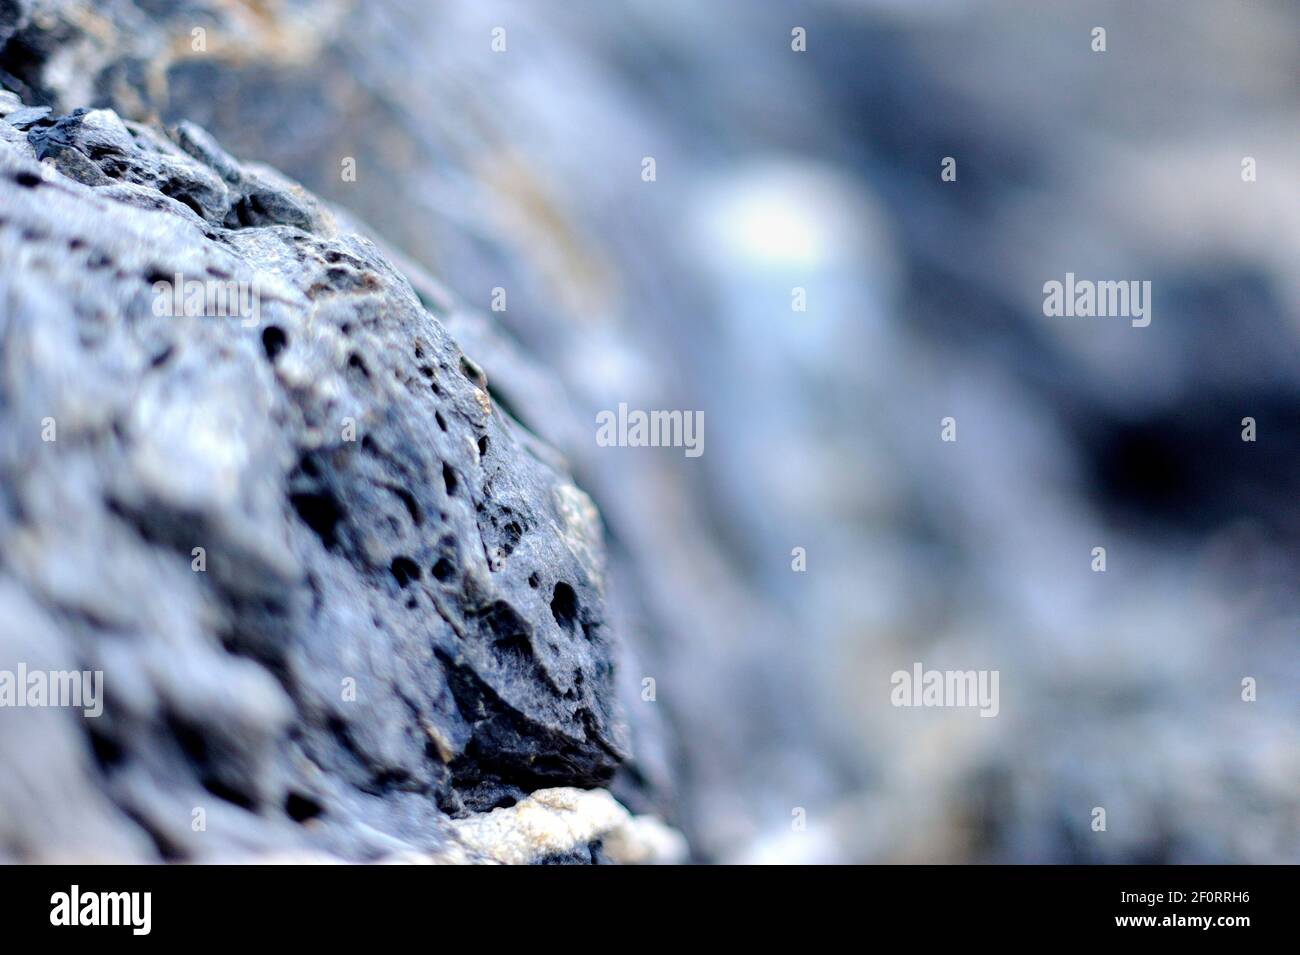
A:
401,613
520,171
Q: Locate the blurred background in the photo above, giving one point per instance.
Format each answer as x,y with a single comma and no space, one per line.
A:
777,169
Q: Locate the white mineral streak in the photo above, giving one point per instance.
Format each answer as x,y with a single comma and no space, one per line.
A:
554,821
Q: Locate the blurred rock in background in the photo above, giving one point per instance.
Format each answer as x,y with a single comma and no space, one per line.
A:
775,170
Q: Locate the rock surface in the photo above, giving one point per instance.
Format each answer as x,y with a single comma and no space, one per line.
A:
521,171
337,596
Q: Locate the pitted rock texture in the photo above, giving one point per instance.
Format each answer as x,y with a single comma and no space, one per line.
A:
398,613
520,171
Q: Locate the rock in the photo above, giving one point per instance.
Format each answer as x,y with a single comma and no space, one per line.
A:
521,172
28,116
556,823
337,597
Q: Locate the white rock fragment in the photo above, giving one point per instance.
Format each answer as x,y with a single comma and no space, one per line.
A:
555,821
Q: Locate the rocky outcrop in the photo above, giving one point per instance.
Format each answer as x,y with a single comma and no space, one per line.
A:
453,170
336,595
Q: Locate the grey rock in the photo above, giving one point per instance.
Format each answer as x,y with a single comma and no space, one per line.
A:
27,116
520,172
370,522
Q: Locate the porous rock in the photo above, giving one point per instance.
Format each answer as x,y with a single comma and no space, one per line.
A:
336,595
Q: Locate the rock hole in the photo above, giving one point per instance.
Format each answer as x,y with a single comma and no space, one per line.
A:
301,808
274,341
404,570
443,570
321,512
511,535
449,480
564,607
